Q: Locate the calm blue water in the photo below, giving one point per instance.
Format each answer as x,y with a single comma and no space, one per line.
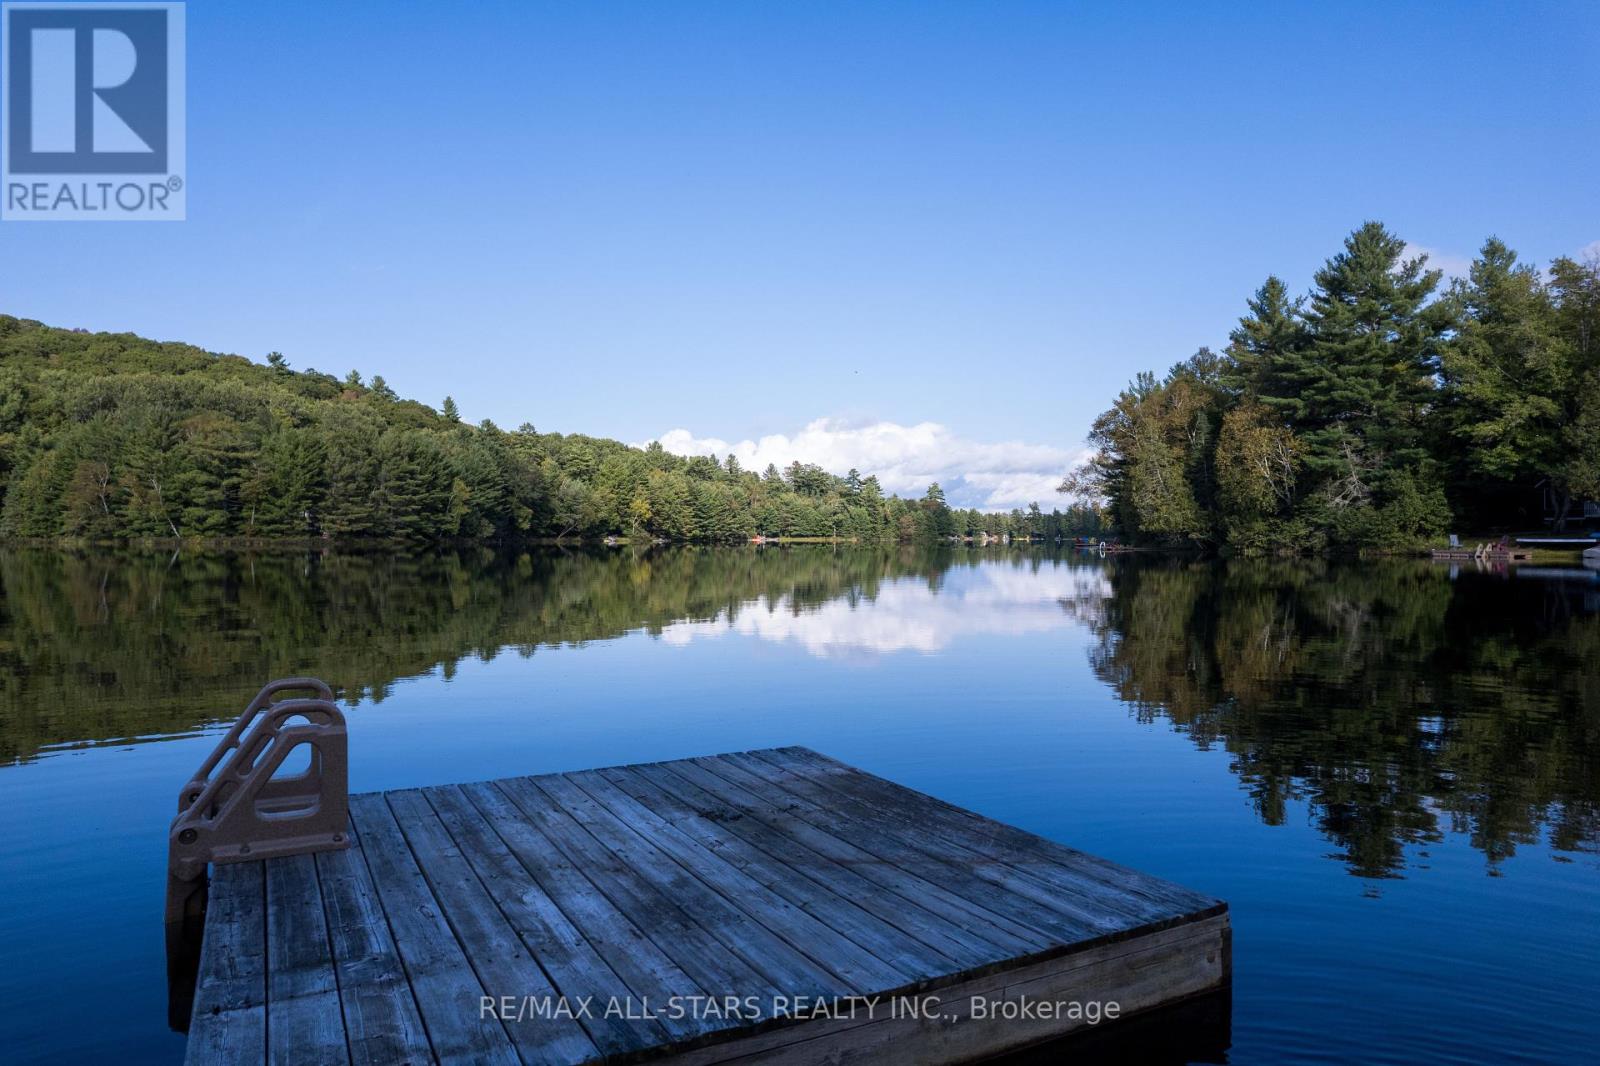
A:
1388,771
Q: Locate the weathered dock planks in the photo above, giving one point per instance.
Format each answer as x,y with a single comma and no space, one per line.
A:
714,910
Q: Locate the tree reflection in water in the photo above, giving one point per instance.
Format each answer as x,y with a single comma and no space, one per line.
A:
1396,702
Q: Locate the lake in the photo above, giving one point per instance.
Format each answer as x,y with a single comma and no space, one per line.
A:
1391,770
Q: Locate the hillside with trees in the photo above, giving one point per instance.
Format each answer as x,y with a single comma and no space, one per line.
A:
1377,410
112,436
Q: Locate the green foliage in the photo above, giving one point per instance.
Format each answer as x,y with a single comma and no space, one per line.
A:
1156,453
1506,368
284,492
1575,290
1258,463
934,520
1263,351
1371,412
109,436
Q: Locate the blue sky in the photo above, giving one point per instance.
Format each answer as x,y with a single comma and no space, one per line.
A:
941,236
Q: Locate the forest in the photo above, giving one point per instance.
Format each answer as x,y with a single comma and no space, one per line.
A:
1380,409
111,436
1377,410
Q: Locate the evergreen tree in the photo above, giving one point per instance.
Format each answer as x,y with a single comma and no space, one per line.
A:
1366,382
480,492
1575,292
1505,372
351,504
1265,349
935,520
282,491
671,505
211,458
413,498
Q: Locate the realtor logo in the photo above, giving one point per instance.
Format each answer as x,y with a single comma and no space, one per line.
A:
92,117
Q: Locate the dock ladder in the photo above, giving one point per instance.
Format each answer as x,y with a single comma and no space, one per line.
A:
238,807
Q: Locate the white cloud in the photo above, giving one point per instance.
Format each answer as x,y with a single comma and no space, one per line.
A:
907,616
990,475
1454,266
1588,252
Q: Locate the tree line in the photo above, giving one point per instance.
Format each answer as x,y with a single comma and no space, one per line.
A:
1376,410
107,436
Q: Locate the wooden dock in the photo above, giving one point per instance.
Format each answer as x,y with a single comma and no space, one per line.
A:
712,910
1486,555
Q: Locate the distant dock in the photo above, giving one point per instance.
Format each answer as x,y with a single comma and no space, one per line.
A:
1501,551
773,906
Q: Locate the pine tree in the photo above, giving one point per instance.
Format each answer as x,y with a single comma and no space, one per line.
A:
672,505
413,497
1369,367
1575,289
1366,382
480,492
350,508
935,520
284,489
1264,349
1504,373
210,462
33,505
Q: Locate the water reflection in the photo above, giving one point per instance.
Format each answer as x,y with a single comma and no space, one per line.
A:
1397,702
98,647
998,599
